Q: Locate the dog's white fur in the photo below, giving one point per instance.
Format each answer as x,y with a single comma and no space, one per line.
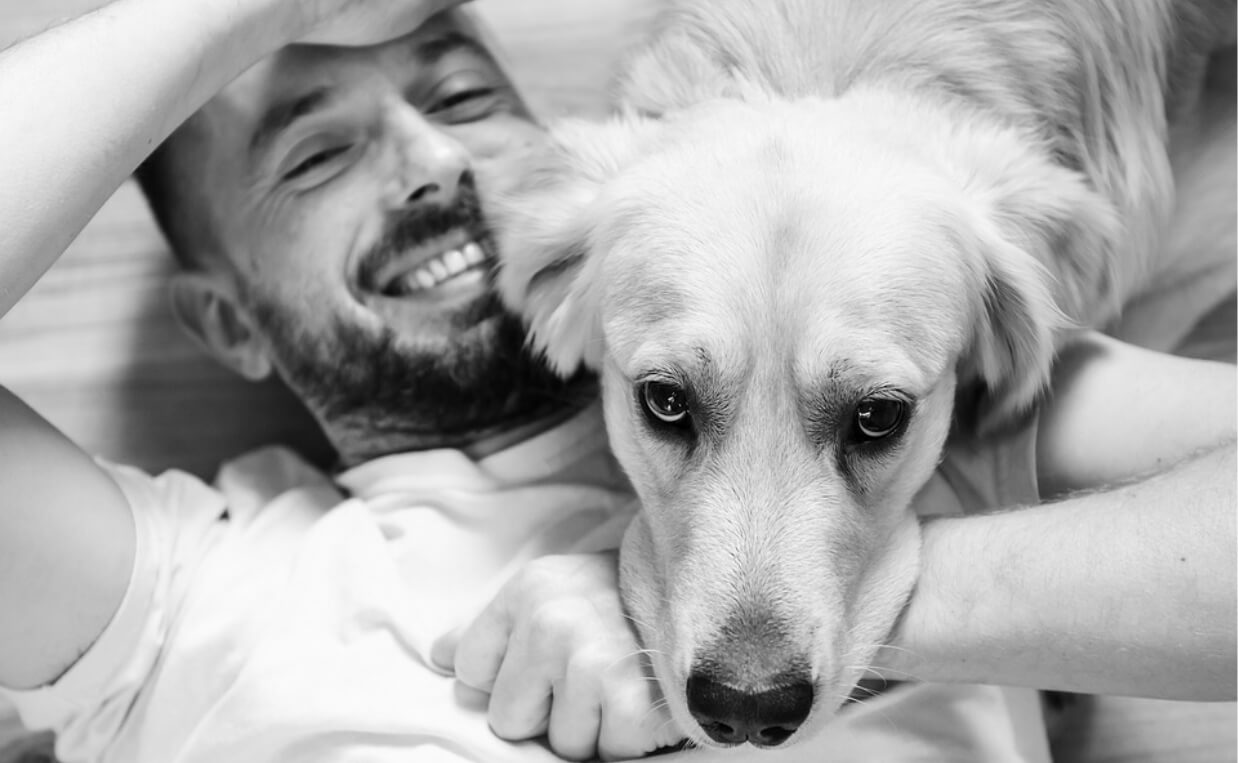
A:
809,202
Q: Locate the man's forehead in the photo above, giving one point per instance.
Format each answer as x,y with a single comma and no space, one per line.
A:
302,72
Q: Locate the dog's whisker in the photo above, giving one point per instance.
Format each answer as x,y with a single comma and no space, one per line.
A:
637,622
656,707
894,648
900,675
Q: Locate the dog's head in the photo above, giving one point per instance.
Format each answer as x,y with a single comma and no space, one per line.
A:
782,301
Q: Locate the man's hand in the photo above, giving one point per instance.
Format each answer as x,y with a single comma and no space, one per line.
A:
363,22
559,657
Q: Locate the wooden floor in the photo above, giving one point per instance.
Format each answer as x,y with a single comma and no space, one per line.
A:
95,349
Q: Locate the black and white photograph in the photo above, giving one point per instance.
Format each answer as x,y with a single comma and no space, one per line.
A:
706,381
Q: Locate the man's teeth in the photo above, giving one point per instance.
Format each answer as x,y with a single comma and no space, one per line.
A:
446,265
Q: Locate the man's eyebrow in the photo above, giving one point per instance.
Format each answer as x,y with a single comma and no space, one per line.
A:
283,113
430,52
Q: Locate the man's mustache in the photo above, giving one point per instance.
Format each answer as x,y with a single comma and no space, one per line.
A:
415,226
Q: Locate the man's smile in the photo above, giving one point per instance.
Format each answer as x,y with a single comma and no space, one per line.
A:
415,272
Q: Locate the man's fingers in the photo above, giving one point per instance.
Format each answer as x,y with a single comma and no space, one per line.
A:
635,721
443,650
520,701
483,646
576,717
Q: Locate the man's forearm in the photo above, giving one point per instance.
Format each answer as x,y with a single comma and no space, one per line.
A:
998,599
85,103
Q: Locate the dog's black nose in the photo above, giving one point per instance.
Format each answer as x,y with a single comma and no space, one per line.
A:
733,716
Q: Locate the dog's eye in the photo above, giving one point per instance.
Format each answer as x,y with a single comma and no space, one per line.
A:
878,417
664,401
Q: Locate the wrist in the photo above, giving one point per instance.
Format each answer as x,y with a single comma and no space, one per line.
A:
261,27
239,32
896,658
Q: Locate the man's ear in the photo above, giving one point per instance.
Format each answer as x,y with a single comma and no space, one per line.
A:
207,307
550,251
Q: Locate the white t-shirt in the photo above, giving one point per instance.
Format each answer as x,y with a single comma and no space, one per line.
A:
273,618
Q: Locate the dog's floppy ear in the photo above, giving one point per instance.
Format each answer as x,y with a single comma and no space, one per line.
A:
547,237
1017,324
1047,247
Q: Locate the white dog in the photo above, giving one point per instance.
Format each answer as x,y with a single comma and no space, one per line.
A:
822,232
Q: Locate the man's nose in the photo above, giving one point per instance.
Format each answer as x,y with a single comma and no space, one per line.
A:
429,164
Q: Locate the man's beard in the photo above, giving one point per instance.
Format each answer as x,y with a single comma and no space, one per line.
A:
373,385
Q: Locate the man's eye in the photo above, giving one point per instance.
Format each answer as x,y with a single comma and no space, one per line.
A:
466,105
314,160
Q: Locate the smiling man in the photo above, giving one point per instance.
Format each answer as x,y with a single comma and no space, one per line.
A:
335,234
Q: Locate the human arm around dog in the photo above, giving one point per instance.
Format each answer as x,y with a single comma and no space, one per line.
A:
83,104
1129,590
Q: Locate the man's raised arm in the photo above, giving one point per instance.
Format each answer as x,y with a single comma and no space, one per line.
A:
86,102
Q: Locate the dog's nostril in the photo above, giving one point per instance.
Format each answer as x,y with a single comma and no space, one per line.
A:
773,735
722,733
733,716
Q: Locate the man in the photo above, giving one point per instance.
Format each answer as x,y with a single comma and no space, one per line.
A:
330,215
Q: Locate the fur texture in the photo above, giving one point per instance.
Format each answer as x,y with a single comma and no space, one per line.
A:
808,206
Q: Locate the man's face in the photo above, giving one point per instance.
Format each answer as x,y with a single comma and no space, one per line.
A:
347,187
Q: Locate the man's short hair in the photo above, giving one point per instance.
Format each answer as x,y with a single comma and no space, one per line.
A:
172,180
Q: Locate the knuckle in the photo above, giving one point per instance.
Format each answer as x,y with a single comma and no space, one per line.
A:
592,662
552,621
542,572
627,709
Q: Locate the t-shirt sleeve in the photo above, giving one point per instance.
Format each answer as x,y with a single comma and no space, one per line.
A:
978,475
176,517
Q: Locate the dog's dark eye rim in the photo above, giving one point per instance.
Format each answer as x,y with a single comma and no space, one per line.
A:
664,402
878,417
